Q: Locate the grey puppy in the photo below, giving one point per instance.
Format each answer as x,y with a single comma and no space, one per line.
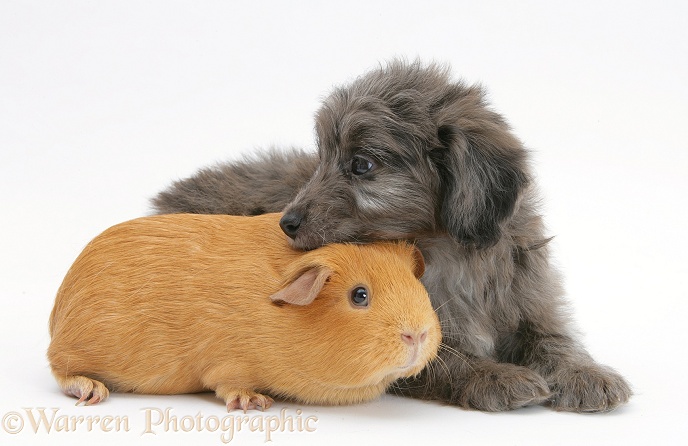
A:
404,152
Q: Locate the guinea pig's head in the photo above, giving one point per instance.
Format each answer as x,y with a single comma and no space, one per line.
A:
363,317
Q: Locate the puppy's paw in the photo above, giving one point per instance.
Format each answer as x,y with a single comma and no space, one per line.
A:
502,386
589,388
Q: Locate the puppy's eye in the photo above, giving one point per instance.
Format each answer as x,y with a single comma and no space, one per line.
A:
361,165
359,297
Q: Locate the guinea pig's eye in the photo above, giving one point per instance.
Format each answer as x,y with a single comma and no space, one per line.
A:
361,165
359,297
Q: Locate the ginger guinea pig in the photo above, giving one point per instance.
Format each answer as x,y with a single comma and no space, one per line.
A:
187,303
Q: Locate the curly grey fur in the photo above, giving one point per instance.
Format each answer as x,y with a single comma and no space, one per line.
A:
256,185
448,174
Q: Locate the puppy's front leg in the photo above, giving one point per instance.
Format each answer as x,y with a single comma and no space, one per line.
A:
543,343
475,383
578,383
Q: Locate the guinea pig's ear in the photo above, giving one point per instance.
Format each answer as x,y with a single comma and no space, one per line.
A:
418,263
304,287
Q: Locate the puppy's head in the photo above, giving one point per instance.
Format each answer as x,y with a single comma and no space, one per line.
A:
406,153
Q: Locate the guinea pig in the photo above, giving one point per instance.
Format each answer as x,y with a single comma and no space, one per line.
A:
185,303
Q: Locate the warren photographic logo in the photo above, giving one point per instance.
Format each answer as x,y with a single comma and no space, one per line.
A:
153,421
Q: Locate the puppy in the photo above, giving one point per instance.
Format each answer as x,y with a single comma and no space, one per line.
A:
404,152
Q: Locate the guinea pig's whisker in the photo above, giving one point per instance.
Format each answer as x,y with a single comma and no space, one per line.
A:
395,390
445,325
443,304
406,385
440,363
456,353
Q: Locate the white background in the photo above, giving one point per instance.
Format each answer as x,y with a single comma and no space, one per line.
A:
103,103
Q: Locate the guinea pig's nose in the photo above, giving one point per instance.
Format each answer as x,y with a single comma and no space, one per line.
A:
290,223
414,338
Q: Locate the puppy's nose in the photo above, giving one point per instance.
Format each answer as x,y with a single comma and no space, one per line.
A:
290,223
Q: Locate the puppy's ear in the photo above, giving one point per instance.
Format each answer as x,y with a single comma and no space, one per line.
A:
483,169
304,287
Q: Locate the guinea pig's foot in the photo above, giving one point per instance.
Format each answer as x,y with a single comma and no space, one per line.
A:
89,391
245,399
